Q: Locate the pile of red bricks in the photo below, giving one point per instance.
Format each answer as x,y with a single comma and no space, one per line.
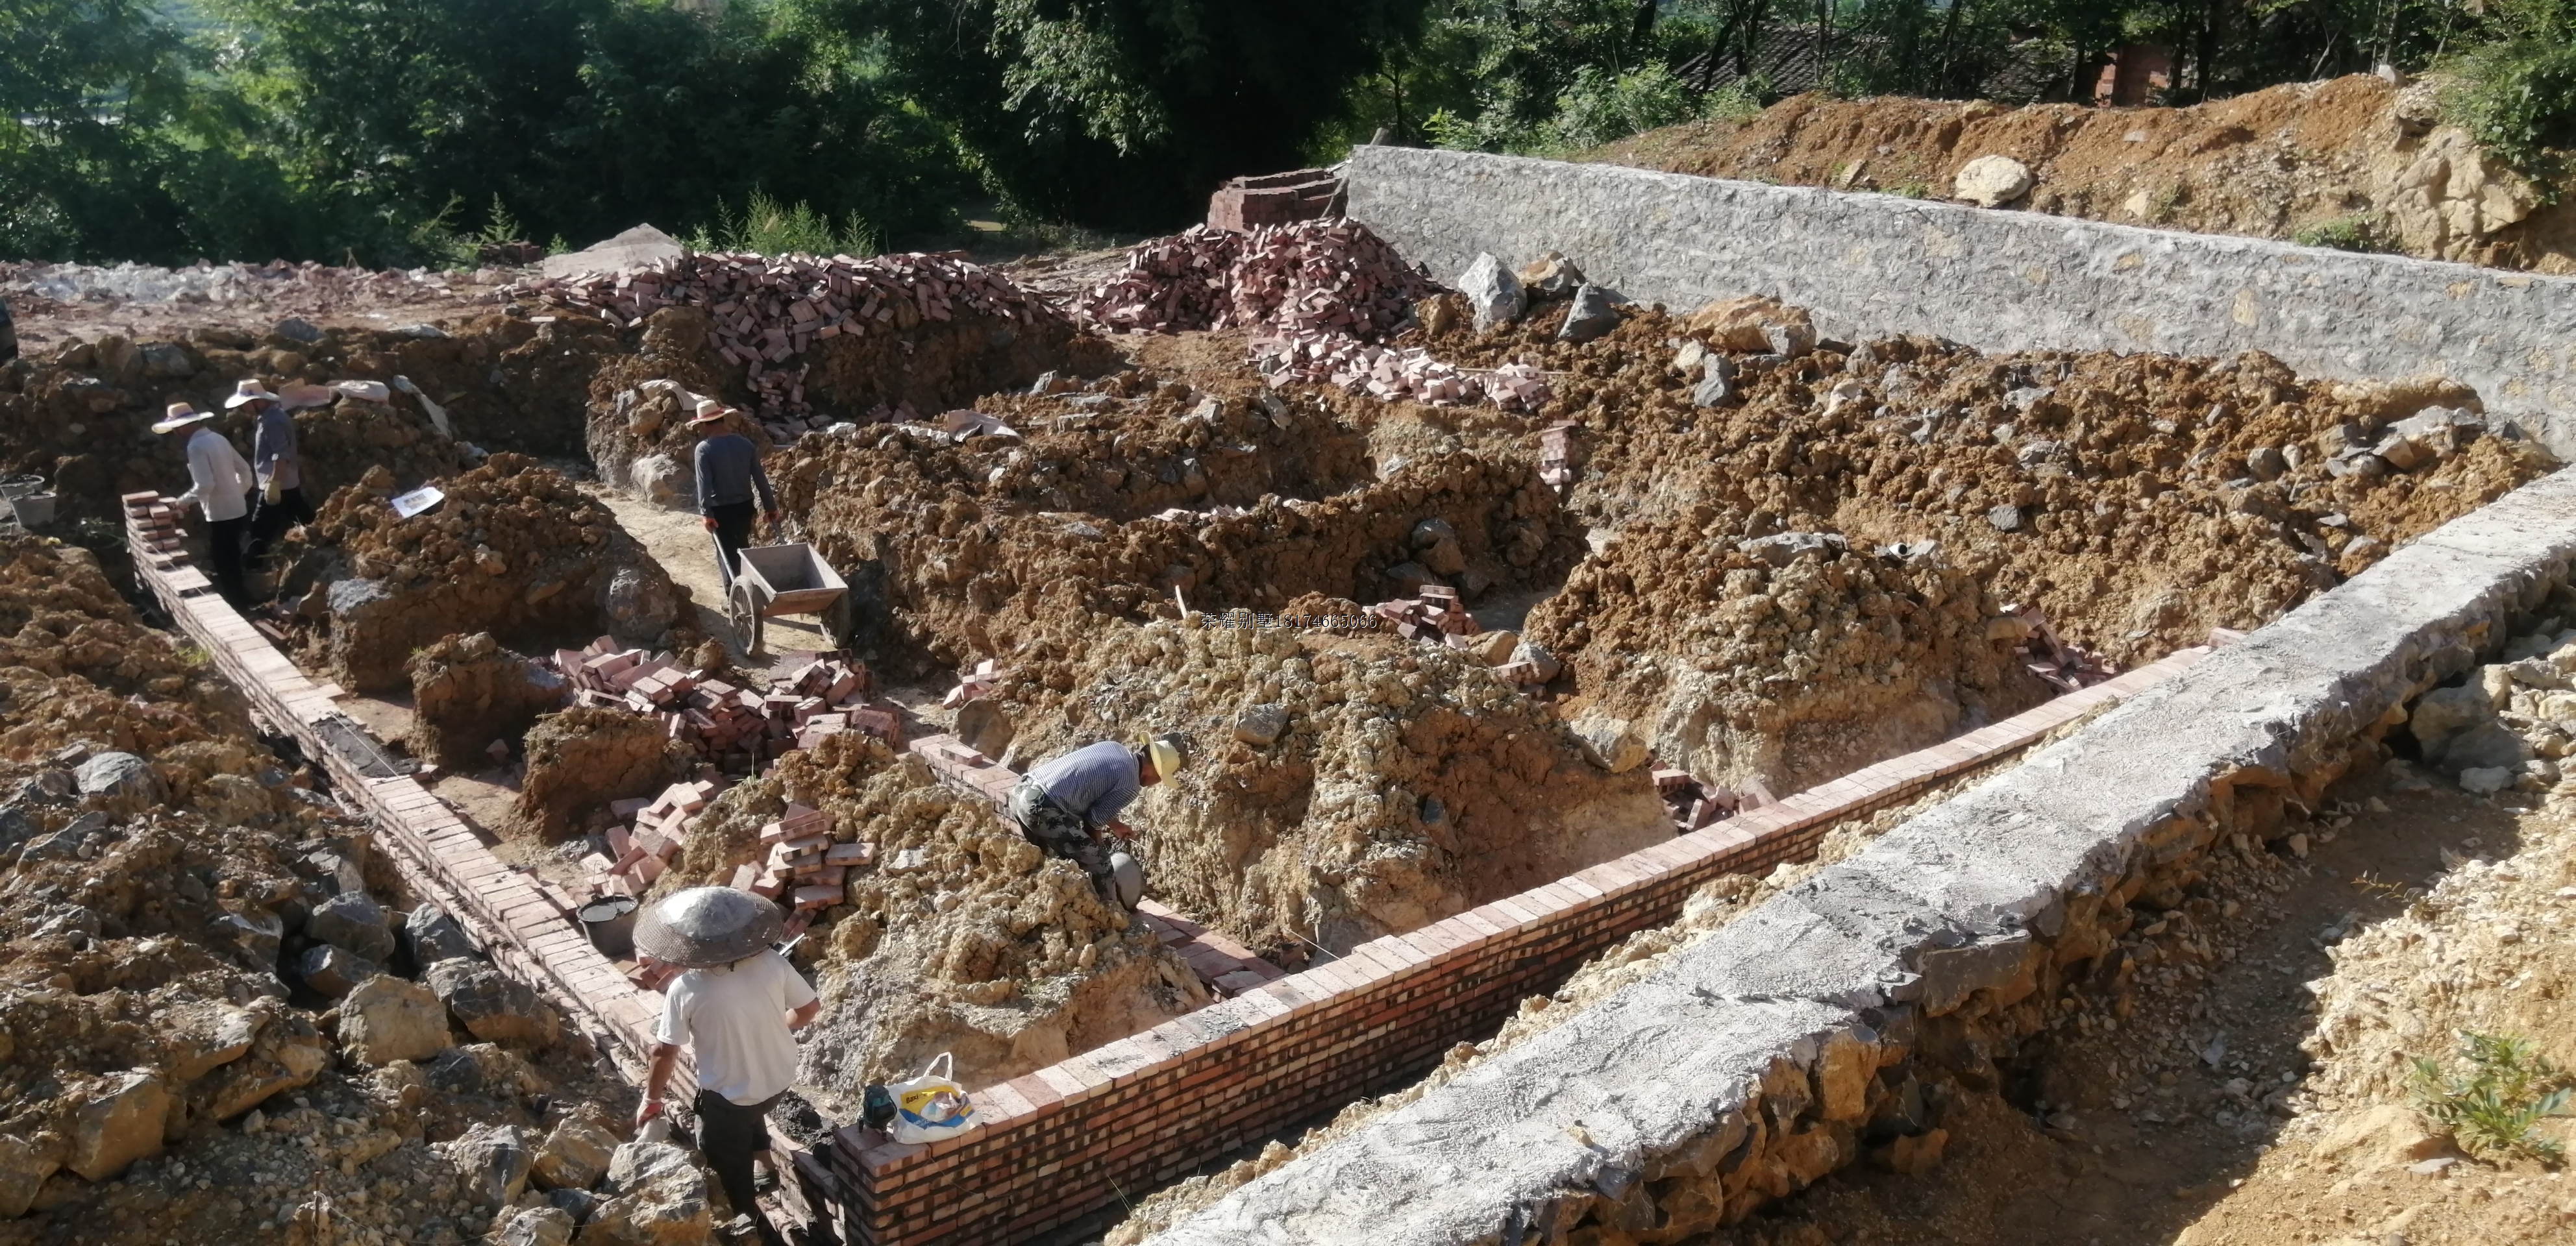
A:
1695,805
152,529
1248,203
1556,456
977,682
2062,666
1432,615
656,830
806,865
1307,277
767,310
821,698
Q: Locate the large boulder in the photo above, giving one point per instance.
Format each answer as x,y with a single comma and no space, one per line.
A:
24,1165
1493,294
1610,743
334,971
122,783
1993,181
1594,313
354,923
431,936
492,1006
2446,712
538,1226
288,1054
576,1155
388,1019
204,1036
494,1160
660,1198
1753,324
117,1122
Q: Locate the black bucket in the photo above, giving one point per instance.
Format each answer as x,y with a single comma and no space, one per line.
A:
610,922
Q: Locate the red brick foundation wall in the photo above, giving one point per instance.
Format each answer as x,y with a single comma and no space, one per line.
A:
1138,1113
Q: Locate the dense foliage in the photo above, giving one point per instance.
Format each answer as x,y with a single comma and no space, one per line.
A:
402,131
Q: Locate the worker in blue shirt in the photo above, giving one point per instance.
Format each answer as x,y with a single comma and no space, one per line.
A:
1065,805
729,481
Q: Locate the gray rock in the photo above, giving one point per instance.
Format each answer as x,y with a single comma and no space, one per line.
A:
1610,743
1431,532
2485,780
335,971
348,597
1951,975
1493,293
493,1007
1717,380
2445,712
431,936
2266,463
122,782
1409,577
538,1226
1542,662
574,1156
15,828
1992,181
297,329
495,1161
353,922
2005,518
1551,274
1781,549
118,1122
387,1019
255,935
167,360
422,332
23,1169
1260,725
1445,559
2489,744
1595,312
576,1203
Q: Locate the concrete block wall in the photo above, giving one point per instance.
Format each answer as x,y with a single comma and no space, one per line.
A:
1874,265
439,856
1748,1066
1058,1143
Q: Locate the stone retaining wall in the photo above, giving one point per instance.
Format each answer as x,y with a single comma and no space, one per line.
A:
1065,1140
1874,265
1749,1065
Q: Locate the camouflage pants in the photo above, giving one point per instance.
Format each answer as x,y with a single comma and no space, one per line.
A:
1059,833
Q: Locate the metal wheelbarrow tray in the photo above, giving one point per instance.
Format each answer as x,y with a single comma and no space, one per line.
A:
776,580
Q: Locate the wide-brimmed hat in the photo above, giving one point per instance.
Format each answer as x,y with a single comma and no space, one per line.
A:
248,391
179,416
702,927
710,412
1169,752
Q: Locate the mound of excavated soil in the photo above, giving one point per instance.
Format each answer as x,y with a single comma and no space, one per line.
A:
583,758
2134,501
160,1080
467,692
2269,164
961,937
1117,497
1403,782
515,550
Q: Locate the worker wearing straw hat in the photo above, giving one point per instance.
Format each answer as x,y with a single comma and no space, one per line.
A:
729,481
274,461
735,1008
219,484
1065,805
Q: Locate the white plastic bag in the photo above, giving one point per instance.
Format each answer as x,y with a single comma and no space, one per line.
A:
932,1106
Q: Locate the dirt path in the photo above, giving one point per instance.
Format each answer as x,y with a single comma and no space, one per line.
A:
2200,1119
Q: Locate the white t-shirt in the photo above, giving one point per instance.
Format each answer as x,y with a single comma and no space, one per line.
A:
734,1019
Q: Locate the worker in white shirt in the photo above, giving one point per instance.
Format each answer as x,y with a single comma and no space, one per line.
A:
219,484
735,1010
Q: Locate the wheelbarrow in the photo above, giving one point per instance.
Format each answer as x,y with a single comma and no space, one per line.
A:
27,498
775,580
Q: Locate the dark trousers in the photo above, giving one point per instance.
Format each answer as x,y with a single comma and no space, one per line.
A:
224,550
733,532
1060,833
270,520
729,1134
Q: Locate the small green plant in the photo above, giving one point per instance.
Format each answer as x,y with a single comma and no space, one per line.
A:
1914,189
2344,233
1736,101
2494,1104
771,228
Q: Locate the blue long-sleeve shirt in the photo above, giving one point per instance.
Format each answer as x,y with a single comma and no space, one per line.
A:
729,473
1094,783
272,448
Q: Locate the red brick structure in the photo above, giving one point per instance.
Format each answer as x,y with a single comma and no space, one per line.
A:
1247,203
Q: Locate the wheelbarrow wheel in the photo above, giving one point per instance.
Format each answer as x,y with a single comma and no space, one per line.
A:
743,609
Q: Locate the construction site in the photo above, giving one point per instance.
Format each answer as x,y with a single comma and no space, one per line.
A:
1717,711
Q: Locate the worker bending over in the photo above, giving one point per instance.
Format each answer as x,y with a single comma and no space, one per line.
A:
729,480
219,484
734,1009
1066,804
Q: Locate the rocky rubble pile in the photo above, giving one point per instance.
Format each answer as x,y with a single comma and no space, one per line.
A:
766,311
1323,277
515,550
737,728
472,700
962,937
307,284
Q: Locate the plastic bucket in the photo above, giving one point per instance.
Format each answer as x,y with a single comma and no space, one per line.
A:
610,923
33,510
